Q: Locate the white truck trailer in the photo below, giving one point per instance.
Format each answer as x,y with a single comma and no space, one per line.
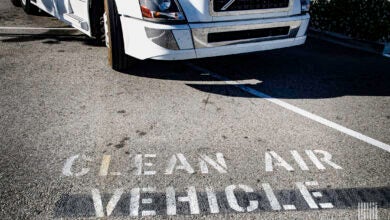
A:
181,29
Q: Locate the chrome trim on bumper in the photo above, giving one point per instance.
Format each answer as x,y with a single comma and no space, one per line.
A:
200,35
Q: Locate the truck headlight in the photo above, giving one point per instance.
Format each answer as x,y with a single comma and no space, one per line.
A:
162,10
305,4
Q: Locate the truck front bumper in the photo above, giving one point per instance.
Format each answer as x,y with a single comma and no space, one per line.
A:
147,40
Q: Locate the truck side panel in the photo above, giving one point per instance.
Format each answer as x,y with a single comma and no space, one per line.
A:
72,12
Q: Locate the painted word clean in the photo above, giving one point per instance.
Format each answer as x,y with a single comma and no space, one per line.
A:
145,164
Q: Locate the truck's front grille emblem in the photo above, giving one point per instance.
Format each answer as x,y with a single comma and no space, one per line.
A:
228,4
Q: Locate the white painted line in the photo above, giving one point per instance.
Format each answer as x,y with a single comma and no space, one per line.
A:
272,198
306,195
246,82
34,28
171,201
311,183
114,201
134,201
147,201
213,202
97,202
297,110
289,207
317,194
299,160
105,165
326,205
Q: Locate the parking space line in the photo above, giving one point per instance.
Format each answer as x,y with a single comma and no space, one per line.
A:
35,28
295,109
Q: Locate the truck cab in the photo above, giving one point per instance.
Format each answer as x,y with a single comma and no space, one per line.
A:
184,29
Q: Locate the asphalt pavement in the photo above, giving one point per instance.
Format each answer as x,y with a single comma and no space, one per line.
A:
295,133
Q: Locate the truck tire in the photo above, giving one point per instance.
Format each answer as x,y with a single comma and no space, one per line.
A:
117,57
28,7
96,11
99,35
16,3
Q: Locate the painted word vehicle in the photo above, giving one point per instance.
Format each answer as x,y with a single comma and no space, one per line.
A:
241,198
238,198
181,29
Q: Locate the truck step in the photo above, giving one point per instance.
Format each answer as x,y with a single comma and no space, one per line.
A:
77,21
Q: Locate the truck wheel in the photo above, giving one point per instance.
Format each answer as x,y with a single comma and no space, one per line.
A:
16,3
28,7
117,57
96,10
100,36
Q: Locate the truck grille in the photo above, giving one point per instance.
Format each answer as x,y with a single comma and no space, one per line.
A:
242,5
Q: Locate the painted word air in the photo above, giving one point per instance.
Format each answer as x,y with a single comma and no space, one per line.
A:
145,164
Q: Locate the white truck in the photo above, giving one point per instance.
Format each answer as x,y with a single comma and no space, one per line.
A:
181,29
